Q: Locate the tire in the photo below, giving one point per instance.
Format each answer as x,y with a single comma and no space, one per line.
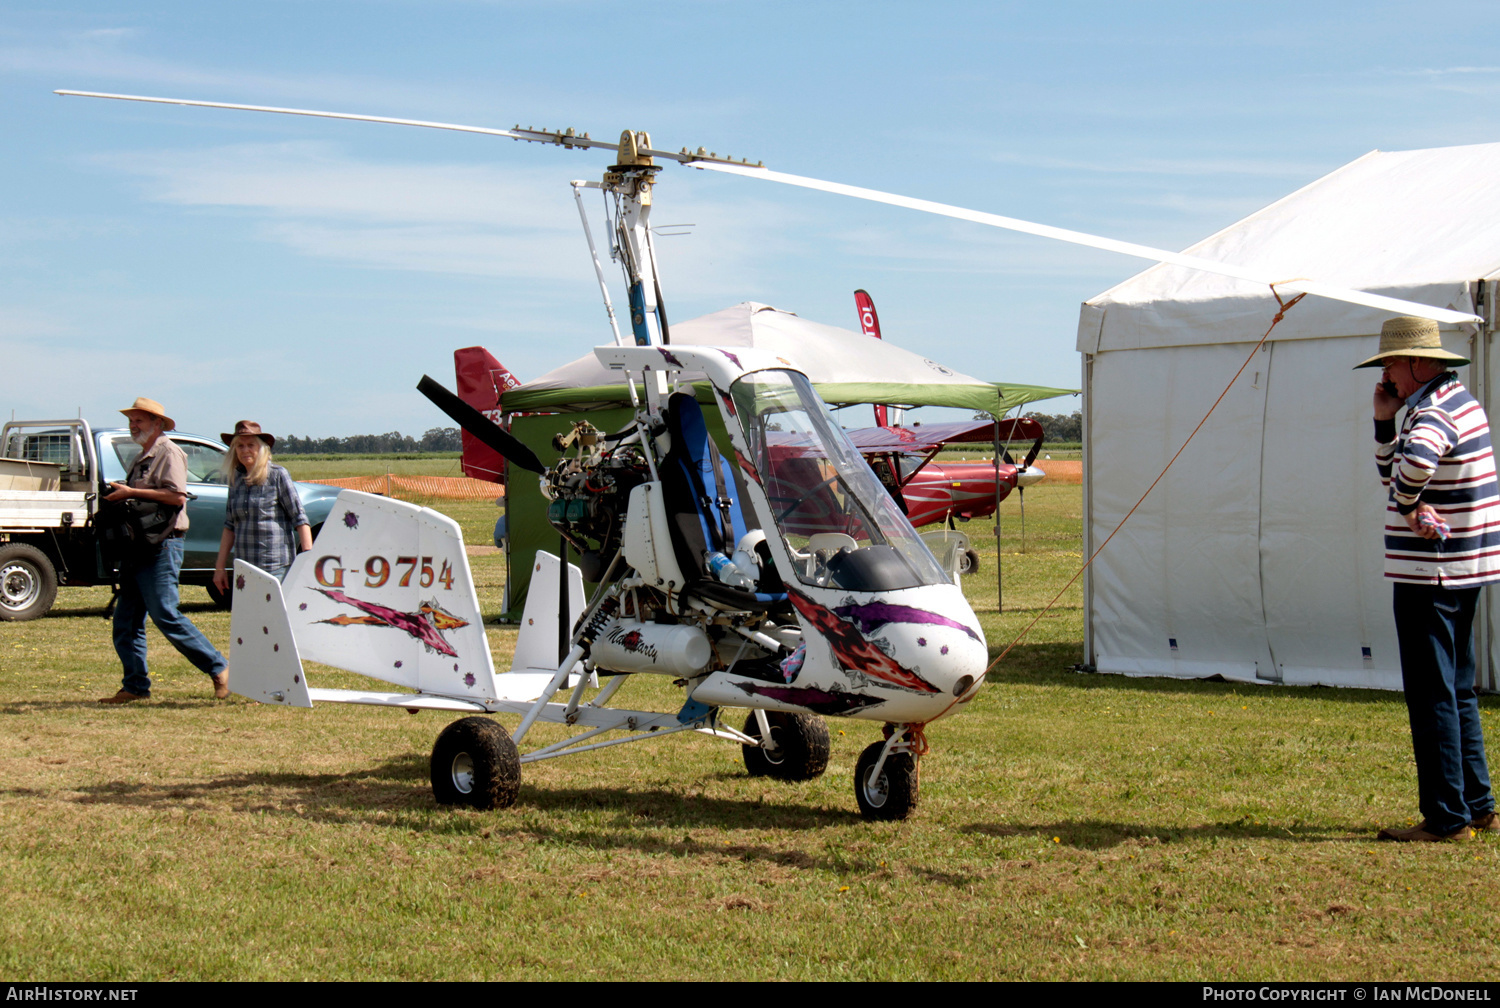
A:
802,747
894,794
222,599
28,582
475,763
968,562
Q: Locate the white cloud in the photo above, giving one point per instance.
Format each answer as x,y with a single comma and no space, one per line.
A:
1169,166
103,59
484,220
316,178
1444,71
31,323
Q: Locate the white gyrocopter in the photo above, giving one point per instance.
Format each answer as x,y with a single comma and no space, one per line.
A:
704,571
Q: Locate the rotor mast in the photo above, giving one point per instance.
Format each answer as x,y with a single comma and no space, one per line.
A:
631,181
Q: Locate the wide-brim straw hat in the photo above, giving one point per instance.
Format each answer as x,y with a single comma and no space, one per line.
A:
144,405
1406,336
249,428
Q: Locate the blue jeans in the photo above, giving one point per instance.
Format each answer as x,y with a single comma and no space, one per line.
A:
152,588
1435,627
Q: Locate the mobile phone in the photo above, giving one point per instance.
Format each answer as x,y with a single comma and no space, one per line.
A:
1389,388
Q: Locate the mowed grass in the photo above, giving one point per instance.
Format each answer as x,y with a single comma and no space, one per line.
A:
1071,826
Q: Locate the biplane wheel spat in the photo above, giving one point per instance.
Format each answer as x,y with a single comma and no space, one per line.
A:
890,793
475,763
801,745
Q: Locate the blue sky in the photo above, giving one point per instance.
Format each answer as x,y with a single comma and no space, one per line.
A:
305,273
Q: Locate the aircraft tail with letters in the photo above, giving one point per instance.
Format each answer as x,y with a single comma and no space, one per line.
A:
481,380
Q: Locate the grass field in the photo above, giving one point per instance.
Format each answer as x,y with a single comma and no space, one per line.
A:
1070,827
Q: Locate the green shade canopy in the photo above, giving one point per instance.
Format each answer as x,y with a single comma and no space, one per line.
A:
845,367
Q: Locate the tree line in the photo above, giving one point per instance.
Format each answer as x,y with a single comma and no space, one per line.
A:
438,439
1060,426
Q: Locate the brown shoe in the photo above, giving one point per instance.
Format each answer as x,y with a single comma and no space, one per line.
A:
124,697
1487,823
221,685
1420,834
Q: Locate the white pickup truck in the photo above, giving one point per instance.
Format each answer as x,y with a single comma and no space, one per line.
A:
52,475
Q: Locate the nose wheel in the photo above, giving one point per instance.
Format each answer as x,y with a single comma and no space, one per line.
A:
886,779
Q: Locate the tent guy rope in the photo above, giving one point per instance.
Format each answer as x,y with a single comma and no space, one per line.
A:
1280,314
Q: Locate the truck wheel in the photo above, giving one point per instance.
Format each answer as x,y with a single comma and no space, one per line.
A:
28,582
802,747
475,763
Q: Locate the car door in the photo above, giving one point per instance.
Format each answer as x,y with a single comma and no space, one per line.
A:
205,512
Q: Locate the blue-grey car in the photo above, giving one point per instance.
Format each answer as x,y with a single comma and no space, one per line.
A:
205,457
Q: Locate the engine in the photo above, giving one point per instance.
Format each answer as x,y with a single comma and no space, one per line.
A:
589,488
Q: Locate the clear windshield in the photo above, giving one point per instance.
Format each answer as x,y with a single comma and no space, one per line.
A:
840,525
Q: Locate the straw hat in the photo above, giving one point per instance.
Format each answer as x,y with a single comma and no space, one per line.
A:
249,428
1405,336
144,405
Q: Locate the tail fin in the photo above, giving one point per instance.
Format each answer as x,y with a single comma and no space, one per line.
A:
869,324
481,380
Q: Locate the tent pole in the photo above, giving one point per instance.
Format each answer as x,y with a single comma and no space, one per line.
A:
999,556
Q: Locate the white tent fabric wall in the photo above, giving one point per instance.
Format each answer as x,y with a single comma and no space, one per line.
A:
1259,556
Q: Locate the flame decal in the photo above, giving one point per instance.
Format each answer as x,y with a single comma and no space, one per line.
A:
426,624
746,466
820,701
852,651
873,615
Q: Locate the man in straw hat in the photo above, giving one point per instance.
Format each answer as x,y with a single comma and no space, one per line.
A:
1442,542
148,579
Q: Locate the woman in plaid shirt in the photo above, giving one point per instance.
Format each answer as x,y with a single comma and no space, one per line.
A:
264,523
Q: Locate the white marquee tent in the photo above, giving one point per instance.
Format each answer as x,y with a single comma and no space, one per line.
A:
1259,556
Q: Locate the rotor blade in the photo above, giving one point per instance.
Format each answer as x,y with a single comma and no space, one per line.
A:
481,426
560,138
1293,285
564,139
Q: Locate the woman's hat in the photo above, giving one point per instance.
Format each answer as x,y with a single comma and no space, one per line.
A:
1406,336
144,405
249,428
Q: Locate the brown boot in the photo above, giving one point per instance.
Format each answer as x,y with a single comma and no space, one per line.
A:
124,697
221,685
1487,823
1421,834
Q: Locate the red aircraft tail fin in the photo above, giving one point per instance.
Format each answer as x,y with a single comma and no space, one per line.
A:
869,324
481,379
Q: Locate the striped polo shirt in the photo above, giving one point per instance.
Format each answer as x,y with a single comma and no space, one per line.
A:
1441,457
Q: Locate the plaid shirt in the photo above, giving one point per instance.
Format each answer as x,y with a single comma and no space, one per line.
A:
264,519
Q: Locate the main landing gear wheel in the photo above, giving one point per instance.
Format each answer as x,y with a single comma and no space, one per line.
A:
28,584
475,763
801,751
893,793
968,562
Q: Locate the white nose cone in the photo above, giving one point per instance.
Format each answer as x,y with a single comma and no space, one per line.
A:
1029,476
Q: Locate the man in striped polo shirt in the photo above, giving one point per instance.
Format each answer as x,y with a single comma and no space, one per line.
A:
1442,542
